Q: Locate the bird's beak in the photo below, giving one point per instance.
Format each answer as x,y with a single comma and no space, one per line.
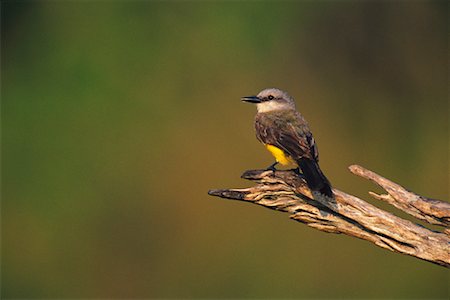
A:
251,99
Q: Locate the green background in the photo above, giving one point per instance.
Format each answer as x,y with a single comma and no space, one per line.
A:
118,117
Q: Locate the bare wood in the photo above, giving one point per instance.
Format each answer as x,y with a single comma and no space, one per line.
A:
430,210
285,191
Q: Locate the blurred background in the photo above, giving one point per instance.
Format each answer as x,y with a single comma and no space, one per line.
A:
118,117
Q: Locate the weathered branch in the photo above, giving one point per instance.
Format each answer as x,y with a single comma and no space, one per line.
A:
285,191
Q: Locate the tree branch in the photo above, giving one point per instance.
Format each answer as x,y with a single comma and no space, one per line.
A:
286,191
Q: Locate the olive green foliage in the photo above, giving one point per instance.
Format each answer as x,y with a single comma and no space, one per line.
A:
117,117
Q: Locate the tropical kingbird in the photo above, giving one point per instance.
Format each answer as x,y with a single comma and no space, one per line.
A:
286,134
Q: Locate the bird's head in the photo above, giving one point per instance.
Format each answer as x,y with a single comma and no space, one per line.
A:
270,100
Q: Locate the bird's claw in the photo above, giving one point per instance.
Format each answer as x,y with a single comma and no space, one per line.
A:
272,167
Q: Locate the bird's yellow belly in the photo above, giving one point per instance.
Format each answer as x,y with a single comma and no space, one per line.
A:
280,156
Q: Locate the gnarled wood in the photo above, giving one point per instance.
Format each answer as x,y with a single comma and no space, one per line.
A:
286,191
430,210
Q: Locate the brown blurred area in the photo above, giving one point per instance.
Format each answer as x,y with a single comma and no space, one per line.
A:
118,117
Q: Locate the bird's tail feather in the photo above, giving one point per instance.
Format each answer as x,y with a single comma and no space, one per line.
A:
314,177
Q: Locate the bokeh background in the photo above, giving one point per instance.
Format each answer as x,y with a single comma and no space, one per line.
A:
118,117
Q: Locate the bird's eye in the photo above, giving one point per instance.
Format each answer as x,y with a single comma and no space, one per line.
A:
270,97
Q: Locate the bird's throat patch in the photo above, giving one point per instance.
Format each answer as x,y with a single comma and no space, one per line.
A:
280,156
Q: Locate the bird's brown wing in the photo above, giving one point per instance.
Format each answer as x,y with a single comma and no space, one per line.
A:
292,135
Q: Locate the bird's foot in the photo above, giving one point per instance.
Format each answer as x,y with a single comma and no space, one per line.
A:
297,171
272,167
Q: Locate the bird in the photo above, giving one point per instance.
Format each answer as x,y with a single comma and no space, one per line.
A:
287,136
